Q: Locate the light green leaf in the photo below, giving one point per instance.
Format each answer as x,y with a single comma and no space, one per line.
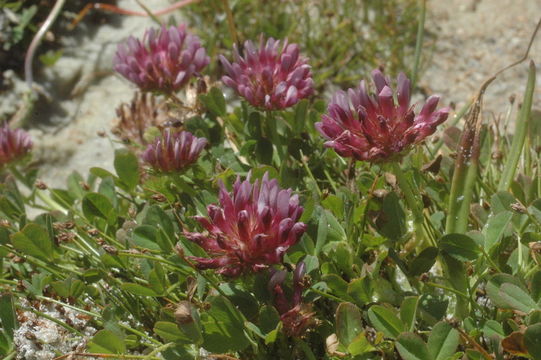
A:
443,341
348,323
386,321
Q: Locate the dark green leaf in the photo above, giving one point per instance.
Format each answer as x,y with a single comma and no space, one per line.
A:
536,286
392,219
433,308
424,261
8,318
459,246
532,340
34,240
263,151
268,319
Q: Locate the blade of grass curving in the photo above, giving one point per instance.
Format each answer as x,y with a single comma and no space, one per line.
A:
520,132
419,44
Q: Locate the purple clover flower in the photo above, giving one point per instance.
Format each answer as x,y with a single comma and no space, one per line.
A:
250,229
14,144
373,127
174,151
164,60
270,77
295,315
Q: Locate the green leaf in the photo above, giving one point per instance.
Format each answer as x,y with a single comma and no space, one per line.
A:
214,101
8,318
34,240
268,319
443,341
137,289
147,237
322,230
424,261
532,340
158,218
460,247
433,308
495,228
411,347
361,290
516,298
70,287
493,327
348,323
127,168
106,342
392,220
337,285
169,331
536,286
493,288
360,345
385,321
264,151
408,312
98,205
224,327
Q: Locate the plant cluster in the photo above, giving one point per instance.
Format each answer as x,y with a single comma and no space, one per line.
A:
269,225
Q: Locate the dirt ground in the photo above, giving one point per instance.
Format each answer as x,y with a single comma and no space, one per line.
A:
474,39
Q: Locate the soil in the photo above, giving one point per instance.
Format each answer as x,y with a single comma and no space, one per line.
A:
474,39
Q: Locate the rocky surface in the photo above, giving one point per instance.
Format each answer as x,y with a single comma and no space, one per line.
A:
476,38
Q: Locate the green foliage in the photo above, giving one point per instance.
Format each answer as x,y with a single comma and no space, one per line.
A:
342,38
385,276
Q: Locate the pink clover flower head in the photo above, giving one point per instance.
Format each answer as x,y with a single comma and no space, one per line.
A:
14,144
375,127
295,315
269,77
174,151
164,60
250,229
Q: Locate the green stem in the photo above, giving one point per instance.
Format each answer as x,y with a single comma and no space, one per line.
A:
231,22
272,133
56,321
419,44
332,297
413,199
520,133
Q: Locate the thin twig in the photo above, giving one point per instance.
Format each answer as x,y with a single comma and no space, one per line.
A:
117,10
29,57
